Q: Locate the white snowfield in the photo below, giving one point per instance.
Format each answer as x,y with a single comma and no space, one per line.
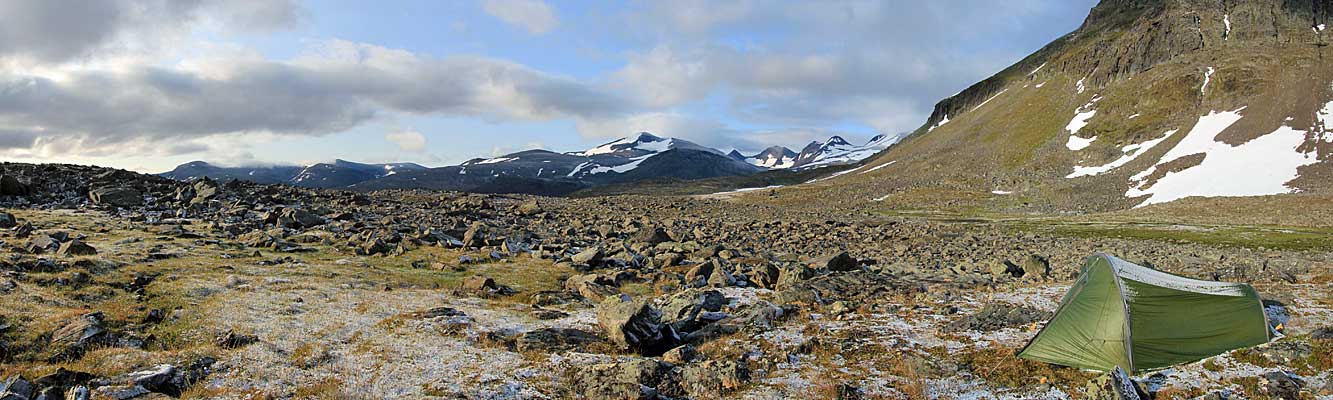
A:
1131,152
1261,166
773,162
1324,123
1081,117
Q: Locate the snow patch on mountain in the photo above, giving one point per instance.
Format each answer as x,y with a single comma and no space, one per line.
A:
1207,77
943,121
1131,152
622,168
1081,117
1261,166
877,167
989,99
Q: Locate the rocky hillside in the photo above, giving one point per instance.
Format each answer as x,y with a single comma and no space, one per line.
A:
1146,103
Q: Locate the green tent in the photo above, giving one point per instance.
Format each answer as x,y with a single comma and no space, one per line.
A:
1141,319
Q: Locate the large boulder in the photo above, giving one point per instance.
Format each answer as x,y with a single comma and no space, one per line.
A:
634,325
204,190
116,196
1036,268
652,236
996,316
302,218
1114,385
7,220
78,335
11,186
627,380
591,286
837,262
76,248
713,378
552,340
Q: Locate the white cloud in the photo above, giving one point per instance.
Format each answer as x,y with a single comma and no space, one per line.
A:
407,140
340,86
534,15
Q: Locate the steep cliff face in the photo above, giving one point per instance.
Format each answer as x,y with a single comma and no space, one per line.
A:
1147,102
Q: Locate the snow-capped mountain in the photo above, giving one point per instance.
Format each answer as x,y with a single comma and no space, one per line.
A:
639,157
838,151
776,157
630,159
339,173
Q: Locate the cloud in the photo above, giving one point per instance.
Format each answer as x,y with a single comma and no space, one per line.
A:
407,140
36,32
534,15
338,87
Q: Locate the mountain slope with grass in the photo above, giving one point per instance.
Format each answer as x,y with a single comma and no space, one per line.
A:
1148,102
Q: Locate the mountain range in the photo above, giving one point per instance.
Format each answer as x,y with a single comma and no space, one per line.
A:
640,157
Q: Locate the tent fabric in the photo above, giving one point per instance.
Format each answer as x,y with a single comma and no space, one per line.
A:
1140,319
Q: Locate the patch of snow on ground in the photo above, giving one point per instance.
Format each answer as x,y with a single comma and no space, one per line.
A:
496,160
745,190
578,168
1081,86
657,146
877,167
1130,153
1039,85
1081,117
1136,115
1226,19
622,168
943,121
1324,122
988,100
1001,192
1259,167
1043,65
1207,77
835,175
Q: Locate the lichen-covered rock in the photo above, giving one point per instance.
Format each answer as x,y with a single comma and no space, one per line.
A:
634,325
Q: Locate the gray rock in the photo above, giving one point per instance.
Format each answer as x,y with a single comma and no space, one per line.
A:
552,340
634,325
588,256
76,248
116,196
119,392
996,316
633,380
7,220
681,355
78,334
713,378
837,262
1036,267
652,236
1114,385
1282,385
11,186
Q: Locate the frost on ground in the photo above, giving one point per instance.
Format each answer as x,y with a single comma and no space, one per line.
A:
340,335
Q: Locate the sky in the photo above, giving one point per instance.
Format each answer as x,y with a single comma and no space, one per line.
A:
149,84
